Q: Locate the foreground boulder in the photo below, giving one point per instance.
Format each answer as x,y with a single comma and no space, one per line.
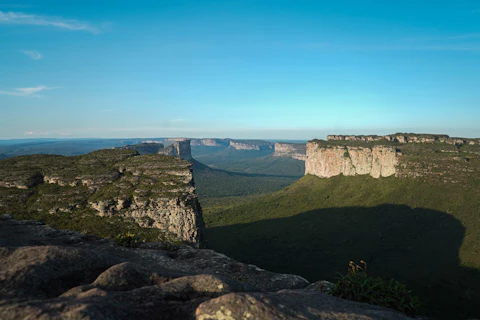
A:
51,274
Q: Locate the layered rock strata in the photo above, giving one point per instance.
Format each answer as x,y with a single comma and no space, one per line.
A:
406,138
181,149
154,191
51,274
291,150
251,145
210,142
326,162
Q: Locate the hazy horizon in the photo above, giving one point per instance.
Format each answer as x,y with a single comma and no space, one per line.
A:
285,69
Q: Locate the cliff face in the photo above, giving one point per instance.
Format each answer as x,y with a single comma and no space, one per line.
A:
326,162
153,191
181,149
251,145
290,150
407,138
210,142
428,157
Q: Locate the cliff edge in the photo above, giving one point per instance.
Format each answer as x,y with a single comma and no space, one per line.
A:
150,191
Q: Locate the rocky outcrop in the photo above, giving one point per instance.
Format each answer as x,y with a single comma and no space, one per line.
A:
144,148
251,145
406,138
181,149
329,161
210,142
51,274
151,191
291,150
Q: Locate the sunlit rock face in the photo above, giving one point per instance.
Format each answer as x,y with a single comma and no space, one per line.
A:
326,162
290,150
181,149
251,145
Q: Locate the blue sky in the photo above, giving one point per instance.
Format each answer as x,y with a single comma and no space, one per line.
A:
271,69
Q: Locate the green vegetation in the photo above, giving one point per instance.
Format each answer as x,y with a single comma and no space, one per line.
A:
356,285
422,233
127,240
63,191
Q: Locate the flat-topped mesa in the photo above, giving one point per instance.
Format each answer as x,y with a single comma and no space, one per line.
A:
151,190
291,150
180,148
422,156
251,145
210,142
406,138
144,148
329,161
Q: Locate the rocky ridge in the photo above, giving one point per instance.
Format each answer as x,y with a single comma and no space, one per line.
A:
179,148
152,191
428,157
407,138
210,142
291,150
251,145
52,274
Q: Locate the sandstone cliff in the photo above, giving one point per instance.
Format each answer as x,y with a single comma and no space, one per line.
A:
428,157
407,138
325,162
290,150
179,148
251,145
152,191
210,142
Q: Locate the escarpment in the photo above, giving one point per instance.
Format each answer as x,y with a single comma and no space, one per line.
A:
325,162
179,148
424,156
251,145
151,191
291,150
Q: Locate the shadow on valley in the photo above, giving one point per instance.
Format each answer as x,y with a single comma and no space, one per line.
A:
417,246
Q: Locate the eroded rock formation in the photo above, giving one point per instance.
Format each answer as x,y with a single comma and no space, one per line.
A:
154,191
251,145
329,161
290,150
210,142
51,274
180,148
424,156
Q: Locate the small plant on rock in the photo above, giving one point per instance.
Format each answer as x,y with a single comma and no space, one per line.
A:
356,285
127,240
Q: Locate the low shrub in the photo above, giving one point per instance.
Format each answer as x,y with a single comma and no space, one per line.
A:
356,285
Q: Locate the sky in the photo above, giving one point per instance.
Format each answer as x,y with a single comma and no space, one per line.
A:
267,69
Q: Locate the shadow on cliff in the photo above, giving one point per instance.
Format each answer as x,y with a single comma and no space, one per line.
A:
417,246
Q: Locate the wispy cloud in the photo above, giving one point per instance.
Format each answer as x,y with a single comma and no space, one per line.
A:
35,133
22,92
20,18
35,55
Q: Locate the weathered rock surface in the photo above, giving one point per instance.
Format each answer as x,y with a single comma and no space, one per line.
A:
326,162
181,149
290,304
210,142
153,191
406,138
51,274
251,145
422,156
291,150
